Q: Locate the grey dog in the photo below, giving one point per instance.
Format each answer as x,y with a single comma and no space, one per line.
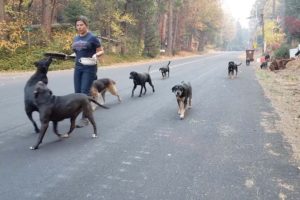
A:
57,108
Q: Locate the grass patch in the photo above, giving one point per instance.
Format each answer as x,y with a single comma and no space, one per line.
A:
24,60
263,74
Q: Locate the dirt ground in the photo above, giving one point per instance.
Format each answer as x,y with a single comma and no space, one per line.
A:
282,87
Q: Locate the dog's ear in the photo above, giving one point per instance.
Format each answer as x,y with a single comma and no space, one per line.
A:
50,92
174,88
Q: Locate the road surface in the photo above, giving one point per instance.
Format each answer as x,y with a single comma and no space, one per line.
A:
225,148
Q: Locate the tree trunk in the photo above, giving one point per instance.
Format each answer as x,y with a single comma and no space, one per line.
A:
170,33
175,37
2,11
46,18
124,27
162,30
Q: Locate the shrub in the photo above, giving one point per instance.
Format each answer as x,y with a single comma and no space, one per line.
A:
282,51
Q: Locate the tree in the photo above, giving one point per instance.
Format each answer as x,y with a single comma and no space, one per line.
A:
2,10
170,28
73,10
48,9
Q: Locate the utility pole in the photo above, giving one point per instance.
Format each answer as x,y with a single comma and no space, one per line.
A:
263,32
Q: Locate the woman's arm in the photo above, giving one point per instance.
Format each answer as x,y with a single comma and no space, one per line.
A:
99,51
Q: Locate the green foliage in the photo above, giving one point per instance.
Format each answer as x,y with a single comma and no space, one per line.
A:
151,40
22,60
12,32
135,48
74,9
282,51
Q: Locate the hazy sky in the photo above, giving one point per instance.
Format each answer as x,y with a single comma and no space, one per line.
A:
240,10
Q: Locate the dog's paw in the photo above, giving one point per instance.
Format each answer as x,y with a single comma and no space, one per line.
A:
65,135
94,136
33,148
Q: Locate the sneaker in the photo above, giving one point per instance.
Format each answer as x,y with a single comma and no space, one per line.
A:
83,122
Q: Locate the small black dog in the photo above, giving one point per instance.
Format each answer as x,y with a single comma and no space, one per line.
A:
141,79
264,65
183,94
232,67
57,108
165,70
40,75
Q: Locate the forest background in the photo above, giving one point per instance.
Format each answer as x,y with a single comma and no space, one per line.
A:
131,30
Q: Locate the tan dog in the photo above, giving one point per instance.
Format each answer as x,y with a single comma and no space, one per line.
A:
100,86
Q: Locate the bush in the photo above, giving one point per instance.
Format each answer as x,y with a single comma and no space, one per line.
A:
282,52
23,59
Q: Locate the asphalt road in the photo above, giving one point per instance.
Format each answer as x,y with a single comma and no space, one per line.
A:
225,148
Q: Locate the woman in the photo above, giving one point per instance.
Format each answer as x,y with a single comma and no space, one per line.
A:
85,45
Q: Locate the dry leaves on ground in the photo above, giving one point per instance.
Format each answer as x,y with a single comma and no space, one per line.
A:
282,87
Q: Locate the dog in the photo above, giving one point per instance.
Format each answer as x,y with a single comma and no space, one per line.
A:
42,67
57,108
100,86
141,79
264,65
183,94
232,67
165,70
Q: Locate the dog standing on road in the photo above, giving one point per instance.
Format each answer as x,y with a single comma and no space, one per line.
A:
183,94
165,70
99,88
57,108
40,75
141,79
232,67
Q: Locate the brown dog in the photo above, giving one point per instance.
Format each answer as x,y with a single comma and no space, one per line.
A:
100,86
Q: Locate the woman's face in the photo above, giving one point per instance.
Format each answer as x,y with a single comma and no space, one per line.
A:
81,27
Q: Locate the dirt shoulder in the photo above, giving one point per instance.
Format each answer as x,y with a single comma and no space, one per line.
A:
282,87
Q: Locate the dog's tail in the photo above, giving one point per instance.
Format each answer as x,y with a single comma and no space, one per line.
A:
238,64
94,101
113,82
168,64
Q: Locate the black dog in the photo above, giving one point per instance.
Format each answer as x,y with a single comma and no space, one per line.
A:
57,108
141,79
165,70
183,94
40,75
264,65
232,67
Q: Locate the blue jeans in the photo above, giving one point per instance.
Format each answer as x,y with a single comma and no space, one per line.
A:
83,78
